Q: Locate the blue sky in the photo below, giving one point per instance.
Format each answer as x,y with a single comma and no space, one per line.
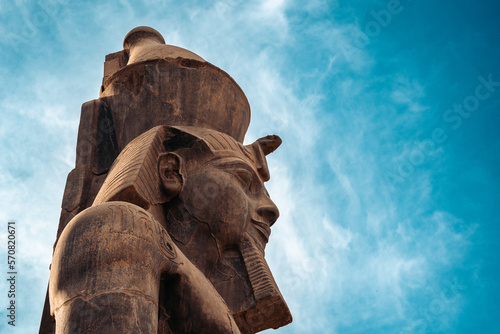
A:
387,179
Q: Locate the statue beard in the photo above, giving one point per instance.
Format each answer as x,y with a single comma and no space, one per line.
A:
241,275
270,310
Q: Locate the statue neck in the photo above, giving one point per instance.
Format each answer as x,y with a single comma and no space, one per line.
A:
193,237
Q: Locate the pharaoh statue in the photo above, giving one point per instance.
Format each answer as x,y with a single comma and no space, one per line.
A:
165,217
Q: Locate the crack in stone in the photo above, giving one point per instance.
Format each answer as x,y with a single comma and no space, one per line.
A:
124,291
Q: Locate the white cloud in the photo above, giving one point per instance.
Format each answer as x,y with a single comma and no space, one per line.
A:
272,12
409,93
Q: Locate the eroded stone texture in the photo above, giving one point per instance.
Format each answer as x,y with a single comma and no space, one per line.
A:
165,217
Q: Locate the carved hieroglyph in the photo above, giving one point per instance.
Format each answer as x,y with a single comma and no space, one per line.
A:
165,217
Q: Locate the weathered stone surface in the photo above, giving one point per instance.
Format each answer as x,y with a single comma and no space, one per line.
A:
165,217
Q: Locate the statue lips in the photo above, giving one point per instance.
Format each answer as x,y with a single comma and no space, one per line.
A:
263,229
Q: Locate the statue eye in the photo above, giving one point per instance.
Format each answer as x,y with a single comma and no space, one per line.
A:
245,177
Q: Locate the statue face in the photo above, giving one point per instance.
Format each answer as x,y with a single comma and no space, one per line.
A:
227,193
233,216
220,216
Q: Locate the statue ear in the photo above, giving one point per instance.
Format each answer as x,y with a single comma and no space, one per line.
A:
169,169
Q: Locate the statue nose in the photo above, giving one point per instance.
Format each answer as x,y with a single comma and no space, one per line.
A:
269,212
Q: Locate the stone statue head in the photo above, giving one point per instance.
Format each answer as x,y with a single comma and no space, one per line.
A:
207,190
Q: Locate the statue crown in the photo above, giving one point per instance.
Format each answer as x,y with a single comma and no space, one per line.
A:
154,84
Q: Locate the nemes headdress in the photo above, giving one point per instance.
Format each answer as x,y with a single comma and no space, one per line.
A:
134,174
